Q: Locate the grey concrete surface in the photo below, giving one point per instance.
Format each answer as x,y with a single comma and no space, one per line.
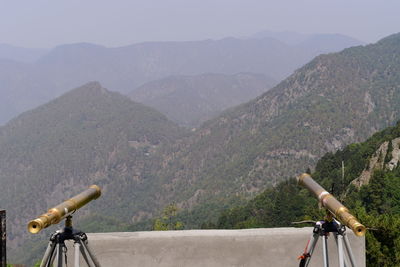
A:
211,248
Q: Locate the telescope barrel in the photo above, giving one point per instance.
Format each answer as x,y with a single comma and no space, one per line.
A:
338,210
59,212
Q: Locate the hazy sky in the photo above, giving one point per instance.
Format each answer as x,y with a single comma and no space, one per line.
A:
47,23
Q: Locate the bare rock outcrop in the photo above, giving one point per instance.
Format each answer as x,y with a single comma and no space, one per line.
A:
375,163
395,154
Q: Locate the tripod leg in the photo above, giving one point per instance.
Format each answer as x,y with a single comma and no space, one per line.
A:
76,254
87,251
346,263
60,255
88,261
309,250
53,257
325,250
48,254
339,239
349,251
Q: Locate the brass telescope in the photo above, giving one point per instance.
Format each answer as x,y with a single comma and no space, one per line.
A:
340,212
59,212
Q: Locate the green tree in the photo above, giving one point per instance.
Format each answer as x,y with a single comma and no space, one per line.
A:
168,220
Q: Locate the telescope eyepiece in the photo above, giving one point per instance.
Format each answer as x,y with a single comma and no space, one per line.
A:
34,226
359,229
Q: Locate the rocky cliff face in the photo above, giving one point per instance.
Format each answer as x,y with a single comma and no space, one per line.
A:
386,157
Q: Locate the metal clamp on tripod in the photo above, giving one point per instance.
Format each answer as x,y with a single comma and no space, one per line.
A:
335,222
57,250
323,229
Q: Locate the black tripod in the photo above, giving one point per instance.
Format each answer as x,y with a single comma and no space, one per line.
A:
57,250
323,229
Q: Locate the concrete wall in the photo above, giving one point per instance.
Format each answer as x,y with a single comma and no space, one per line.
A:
208,248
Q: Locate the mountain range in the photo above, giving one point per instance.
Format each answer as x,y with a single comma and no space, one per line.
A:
332,101
144,162
27,85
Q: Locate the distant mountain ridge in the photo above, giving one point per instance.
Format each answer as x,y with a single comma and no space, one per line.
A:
191,100
314,43
125,68
296,38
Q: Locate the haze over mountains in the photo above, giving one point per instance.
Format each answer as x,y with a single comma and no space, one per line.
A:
26,85
21,54
144,162
191,100
322,41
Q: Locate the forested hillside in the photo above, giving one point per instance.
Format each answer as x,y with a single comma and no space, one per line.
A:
333,101
376,200
87,136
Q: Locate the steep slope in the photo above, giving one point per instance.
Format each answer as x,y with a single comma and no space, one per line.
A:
376,202
125,68
334,100
87,136
191,100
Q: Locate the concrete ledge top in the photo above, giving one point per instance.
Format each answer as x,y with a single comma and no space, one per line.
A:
256,232
215,248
